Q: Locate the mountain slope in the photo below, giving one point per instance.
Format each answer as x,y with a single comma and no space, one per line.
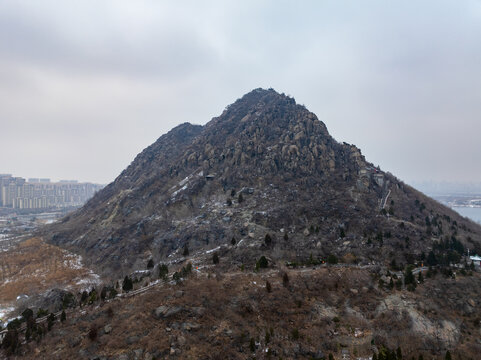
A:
264,166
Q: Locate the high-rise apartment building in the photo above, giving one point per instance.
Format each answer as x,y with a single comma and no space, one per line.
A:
16,193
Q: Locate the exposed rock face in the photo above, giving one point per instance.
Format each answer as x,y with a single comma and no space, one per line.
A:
443,331
266,165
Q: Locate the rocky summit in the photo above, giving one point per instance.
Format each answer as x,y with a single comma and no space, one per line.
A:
263,177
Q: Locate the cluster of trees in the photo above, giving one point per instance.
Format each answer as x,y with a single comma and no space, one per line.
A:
128,282
388,354
409,279
240,198
332,259
446,251
419,205
11,342
106,293
34,330
262,263
312,261
182,273
163,271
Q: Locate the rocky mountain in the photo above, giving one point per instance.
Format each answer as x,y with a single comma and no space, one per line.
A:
255,236
263,177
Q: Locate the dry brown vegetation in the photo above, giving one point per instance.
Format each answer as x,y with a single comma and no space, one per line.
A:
33,266
216,314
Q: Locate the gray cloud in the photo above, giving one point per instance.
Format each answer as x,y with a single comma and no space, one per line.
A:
85,86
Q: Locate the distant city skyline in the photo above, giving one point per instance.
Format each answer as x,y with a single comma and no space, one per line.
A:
45,178
85,87
41,193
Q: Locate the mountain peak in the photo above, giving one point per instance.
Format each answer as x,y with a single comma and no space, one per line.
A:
265,182
185,190
261,97
268,110
261,93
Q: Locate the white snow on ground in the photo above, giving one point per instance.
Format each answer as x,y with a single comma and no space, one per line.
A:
92,279
212,250
5,311
6,237
183,182
73,261
141,272
178,191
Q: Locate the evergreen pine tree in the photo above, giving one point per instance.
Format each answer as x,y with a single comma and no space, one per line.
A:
447,356
127,284
399,353
50,321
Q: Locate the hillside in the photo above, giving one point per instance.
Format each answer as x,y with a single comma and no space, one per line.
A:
265,166
220,312
279,242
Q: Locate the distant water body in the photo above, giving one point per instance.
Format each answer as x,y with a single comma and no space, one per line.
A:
470,212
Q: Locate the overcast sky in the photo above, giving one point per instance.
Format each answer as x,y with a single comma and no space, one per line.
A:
86,85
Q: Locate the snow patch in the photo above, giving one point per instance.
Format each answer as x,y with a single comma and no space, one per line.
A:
174,194
212,250
92,279
183,182
5,311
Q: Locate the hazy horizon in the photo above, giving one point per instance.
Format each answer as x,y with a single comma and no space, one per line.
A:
84,87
